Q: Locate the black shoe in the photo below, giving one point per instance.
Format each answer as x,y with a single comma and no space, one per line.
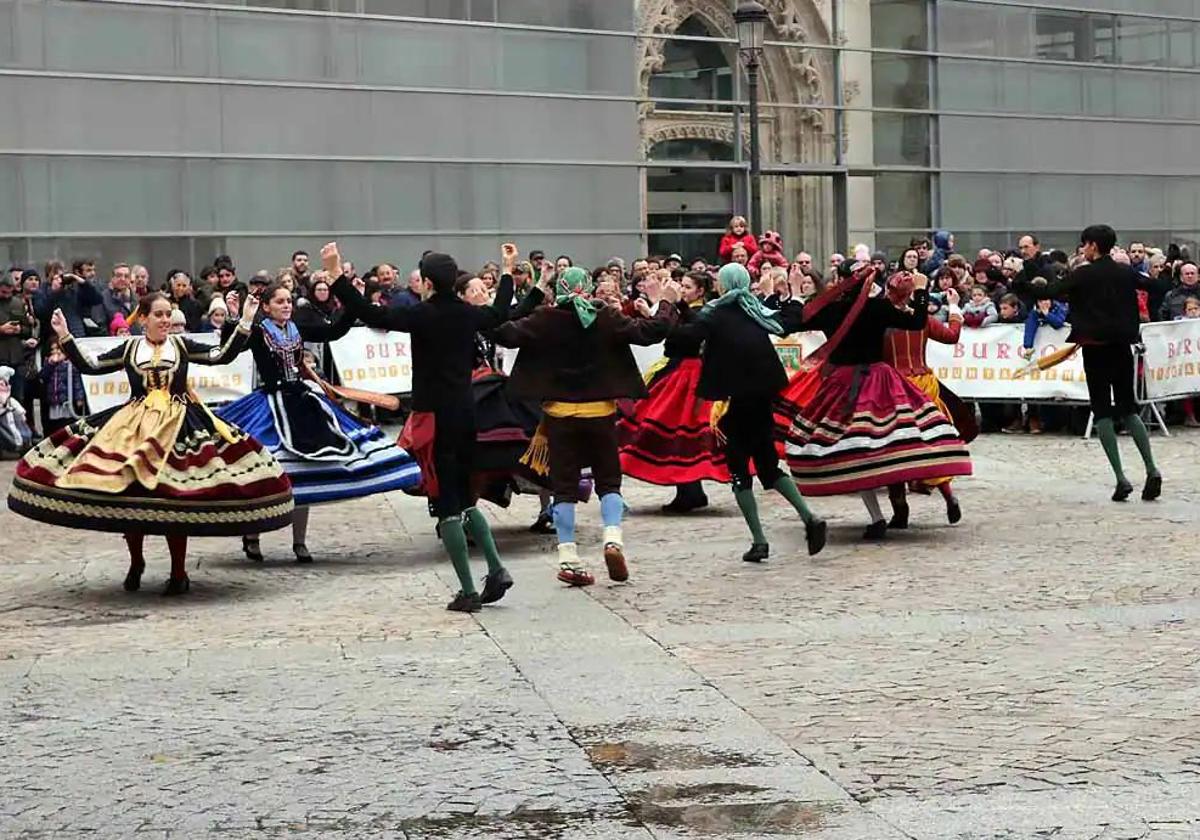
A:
899,520
814,535
1124,488
465,603
1153,488
495,586
953,511
301,552
876,530
133,580
685,505
544,524
758,552
252,550
177,586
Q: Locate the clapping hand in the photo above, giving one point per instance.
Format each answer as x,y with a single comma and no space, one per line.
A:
250,307
672,291
920,281
331,260
58,322
952,297
641,307
508,257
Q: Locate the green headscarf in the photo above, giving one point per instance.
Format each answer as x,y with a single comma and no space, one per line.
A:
572,285
735,281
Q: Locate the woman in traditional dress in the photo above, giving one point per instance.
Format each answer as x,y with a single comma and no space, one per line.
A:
159,464
328,454
668,439
867,426
905,351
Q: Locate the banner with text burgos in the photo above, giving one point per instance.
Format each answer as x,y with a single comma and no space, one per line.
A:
214,384
374,360
1172,360
983,364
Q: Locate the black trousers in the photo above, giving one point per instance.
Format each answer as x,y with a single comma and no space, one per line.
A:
749,429
578,442
1109,370
454,460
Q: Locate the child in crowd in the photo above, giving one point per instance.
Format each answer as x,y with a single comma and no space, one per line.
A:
770,253
979,311
739,254
178,322
736,233
15,436
63,389
217,314
118,325
1052,314
1009,310
1004,417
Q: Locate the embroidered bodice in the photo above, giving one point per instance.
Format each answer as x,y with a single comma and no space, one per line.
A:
154,368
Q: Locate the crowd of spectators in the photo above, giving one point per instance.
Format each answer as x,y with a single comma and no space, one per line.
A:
992,286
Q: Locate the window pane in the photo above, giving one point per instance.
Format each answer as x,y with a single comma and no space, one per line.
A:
902,200
902,139
899,24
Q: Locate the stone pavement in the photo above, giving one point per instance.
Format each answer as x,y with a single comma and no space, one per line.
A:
1030,673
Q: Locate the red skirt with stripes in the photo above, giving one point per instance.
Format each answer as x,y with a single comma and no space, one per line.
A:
869,427
667,439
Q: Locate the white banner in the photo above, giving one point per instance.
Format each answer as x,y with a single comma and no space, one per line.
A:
374,360
982,364
1172,361
212,383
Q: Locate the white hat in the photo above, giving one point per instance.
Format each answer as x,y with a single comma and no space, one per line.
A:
177,317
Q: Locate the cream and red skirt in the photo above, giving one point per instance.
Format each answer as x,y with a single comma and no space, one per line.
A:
160,465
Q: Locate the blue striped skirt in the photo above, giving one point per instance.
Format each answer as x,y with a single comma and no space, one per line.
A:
327,454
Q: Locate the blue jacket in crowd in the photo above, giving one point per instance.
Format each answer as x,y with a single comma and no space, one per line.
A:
1056,317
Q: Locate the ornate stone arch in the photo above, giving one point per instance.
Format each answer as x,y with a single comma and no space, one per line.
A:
793,76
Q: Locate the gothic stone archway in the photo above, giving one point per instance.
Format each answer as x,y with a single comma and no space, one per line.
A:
800,208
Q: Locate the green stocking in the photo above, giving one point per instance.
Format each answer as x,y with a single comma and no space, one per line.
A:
1108,440
455,543
482,533
1141,437
749,508
785,487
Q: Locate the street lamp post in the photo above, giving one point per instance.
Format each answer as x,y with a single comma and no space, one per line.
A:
751,20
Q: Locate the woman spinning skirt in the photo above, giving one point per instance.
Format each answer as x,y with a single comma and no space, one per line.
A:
668,438
159,464
328,454
867,426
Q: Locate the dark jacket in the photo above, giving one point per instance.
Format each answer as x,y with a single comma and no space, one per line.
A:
739,356
76,299
12,347
443,339
1104,304
1173,302
561,360
863,342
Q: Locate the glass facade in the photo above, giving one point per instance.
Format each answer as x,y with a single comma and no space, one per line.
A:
1015,116
166,133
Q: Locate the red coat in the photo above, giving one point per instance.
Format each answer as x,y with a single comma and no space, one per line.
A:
905,349
729,240
773,258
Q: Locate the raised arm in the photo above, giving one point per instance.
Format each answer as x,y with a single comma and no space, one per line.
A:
645,331
105,363
380,317
491,316
314,331
233,341
914,318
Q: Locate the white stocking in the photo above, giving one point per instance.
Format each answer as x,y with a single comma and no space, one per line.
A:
871,500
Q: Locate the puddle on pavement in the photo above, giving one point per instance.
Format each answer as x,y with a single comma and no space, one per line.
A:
630,755
784,818
525,824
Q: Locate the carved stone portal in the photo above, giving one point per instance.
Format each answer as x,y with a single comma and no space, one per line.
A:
799,131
